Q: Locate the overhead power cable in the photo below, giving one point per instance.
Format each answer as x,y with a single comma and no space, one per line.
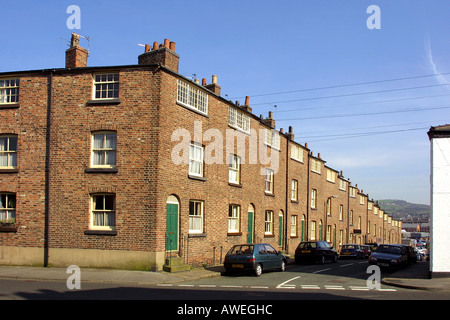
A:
342,85
351,94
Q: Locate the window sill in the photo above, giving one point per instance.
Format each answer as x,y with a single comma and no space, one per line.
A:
9,106
231,234
96,102
294,201
197,178
269,236
270,194
237,185
9,170
100,232
8,228
197,235
101,170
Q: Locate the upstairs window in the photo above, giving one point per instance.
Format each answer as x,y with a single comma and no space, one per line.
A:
104,148
296,152
272,138
234,175
106,86
238,119
196,154
269,181
8,152
192,97
9,91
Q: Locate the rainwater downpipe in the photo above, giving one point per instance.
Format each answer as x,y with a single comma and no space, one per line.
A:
47,167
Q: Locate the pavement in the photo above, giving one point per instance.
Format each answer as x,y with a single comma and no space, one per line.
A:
413,277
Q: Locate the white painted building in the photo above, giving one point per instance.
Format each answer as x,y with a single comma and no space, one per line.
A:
440,201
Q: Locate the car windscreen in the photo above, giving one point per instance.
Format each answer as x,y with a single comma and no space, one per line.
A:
389,249
241,249
348,246
308,245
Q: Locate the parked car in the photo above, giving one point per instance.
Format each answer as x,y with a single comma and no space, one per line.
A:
367,250
255,258
411,253
352,251
315,251
389,256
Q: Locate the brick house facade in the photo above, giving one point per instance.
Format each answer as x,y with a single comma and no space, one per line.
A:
121,166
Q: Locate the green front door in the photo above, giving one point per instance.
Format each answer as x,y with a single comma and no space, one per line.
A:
172,227
250,227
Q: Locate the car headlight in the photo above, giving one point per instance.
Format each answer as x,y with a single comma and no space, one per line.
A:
373,259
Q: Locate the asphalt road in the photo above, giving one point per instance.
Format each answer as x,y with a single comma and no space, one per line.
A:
345,280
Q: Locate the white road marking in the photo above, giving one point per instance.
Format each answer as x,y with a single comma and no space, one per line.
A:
356,288
310,286
328,287
284,285
318,271
346,265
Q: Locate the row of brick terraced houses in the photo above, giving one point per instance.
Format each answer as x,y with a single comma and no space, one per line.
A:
121,166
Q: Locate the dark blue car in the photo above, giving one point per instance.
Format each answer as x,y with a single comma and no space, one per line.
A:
255,258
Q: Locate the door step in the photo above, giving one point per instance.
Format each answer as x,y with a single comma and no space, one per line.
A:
175,264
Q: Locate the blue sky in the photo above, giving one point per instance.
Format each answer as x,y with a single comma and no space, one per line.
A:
363,98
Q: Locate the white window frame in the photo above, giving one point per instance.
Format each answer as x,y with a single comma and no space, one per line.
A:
342,185
331,176
238,119
9,91
107,149
196,216
8,204
196,159
272,138
234,169
111,212
313,230
8,153
268,222
234,218
268,181
313,198
294,190
192,97
107,83
315,165
341,212
296,152
294,226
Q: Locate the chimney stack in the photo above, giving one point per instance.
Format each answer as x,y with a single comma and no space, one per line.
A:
290,133
76,56
214,87
269,121
163,54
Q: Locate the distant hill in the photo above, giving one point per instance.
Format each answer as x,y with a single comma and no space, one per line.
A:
403,210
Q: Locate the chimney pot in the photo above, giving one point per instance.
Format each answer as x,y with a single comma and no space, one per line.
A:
214,79
155,45
247,100
147,48
166,43
281,130
204,82
306,145
270,114
172,46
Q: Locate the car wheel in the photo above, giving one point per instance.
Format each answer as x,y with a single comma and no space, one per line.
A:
335,258
283,266
258,270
